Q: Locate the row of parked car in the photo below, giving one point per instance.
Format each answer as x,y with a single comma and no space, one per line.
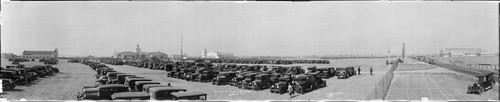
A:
267,61
112,85
254,77
14,75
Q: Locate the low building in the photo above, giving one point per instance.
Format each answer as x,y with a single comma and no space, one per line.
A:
217,55
178,56
138,54
39,54
459,52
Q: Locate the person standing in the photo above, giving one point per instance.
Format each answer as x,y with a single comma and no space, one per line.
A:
291,89
359,70
371,70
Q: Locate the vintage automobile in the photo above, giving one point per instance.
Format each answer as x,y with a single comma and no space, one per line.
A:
305,83
102,92
189,96
223,78
485,82
121,78
235,81
344,72
8,84
54,69
160,93
351,71
140,84
130,82
20,72
112,77
326,72
145,88
104,72
50,61
248,79
73,61
16,78
281,86
130,96
312,69
261,81
206,76
164,93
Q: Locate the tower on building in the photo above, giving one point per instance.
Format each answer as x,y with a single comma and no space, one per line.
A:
137,50
204,53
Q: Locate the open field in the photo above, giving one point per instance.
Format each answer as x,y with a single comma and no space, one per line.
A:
75,75
414,80
61,86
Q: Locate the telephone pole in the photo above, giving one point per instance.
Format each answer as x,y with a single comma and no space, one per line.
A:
182,56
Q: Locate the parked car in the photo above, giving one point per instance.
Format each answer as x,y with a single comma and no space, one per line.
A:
307,83
13,76
485,82
8,84
140,84
223,78
145,88
190,96
282,86
102,92
248,79
164,93
130,82
261,81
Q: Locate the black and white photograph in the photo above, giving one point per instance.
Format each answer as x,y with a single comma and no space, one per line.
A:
249,51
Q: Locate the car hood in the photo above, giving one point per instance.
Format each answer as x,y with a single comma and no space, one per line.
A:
91,96
91,90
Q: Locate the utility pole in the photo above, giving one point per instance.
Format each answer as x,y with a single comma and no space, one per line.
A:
403,54
182,56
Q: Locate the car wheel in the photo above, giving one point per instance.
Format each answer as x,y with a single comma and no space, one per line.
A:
9,87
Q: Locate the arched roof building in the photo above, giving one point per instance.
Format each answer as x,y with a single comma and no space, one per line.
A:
138,54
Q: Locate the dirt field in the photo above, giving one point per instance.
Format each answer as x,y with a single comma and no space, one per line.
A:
75,75
414,80
61,86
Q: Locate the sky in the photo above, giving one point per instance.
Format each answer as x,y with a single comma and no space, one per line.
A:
248,28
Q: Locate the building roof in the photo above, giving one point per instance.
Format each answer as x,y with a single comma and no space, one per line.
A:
38,52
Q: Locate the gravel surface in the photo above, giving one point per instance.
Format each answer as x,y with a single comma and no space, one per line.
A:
61,86
414,80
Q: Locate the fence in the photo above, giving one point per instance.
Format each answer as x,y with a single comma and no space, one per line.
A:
382,87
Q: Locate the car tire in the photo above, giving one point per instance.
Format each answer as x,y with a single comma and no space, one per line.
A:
9,87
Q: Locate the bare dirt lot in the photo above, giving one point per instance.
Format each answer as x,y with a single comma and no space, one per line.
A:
61,86
64,86
414,80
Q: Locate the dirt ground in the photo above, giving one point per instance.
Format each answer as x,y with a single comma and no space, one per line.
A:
61,86
64,86
414,80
